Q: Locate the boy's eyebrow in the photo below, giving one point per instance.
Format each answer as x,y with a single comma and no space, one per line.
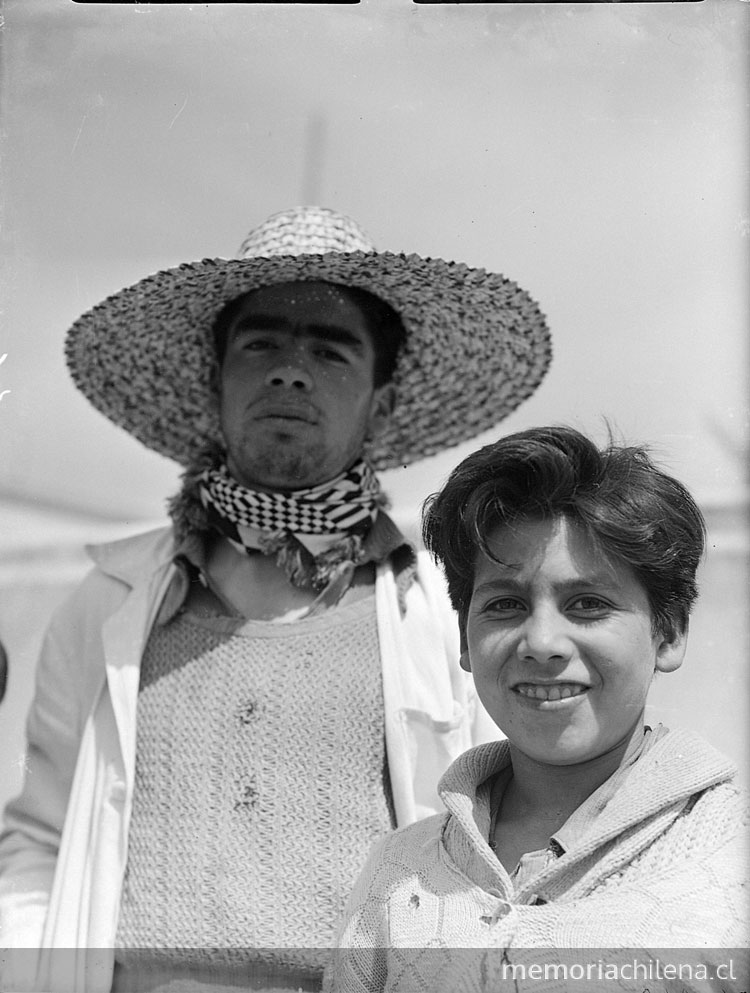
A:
323,332
509,583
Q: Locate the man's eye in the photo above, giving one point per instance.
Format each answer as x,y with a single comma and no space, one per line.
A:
257,344
331,355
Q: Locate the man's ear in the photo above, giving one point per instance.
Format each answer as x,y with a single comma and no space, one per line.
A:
215,377
381,409
669,654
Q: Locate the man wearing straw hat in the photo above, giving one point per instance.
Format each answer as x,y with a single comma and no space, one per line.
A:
231,710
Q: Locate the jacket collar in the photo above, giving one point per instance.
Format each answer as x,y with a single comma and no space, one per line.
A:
134,558
130,559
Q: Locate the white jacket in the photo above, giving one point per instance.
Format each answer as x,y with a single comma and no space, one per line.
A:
65,843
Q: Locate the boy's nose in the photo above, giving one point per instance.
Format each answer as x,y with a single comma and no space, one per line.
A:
545,638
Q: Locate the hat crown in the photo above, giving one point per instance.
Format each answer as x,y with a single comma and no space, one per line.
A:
305,231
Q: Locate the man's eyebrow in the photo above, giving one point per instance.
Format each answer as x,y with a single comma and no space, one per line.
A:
259,322
323,332
332,332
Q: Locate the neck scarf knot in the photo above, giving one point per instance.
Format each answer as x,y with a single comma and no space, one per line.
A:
316,534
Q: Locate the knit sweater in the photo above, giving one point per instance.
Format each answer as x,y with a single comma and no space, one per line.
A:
665,866
65,843
260,787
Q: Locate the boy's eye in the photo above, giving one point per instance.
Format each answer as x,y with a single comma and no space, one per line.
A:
589,605
504,605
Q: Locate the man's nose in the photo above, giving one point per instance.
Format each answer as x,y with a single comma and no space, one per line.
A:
290,371
545,637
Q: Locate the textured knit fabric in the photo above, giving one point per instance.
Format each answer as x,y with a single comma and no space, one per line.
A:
260,786
665,865
580,822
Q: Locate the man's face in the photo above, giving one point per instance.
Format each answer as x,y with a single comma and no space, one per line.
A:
560,643
297,399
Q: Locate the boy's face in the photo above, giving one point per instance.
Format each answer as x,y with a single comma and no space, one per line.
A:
560,642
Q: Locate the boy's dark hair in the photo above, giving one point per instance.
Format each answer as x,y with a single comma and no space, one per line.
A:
383,323
632,510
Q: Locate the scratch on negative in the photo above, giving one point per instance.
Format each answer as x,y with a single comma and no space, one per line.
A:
75,143
184,104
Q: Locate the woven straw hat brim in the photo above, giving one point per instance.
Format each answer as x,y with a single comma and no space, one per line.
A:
477,346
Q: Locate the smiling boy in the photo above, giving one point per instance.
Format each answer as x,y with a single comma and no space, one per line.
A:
573,573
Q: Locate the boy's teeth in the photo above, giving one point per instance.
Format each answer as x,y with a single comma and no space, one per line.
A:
559,691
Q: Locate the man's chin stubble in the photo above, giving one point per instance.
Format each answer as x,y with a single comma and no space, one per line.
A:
277,469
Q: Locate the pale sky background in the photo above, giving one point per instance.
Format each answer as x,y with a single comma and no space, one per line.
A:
595,153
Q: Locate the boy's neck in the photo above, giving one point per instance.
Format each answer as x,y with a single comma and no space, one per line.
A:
552,792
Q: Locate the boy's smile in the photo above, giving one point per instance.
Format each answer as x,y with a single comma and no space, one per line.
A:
561,642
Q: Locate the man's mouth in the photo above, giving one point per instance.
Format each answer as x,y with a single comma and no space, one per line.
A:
286,412
550,691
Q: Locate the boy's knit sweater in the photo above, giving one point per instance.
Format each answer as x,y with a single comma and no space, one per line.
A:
664,866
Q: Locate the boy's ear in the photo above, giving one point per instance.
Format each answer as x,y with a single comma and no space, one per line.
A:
464,657
669,654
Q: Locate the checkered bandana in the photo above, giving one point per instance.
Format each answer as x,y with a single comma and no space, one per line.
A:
315,533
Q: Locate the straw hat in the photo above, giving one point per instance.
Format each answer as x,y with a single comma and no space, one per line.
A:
477,344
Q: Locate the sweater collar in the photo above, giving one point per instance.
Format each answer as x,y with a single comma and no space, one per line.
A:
465,790
677,766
